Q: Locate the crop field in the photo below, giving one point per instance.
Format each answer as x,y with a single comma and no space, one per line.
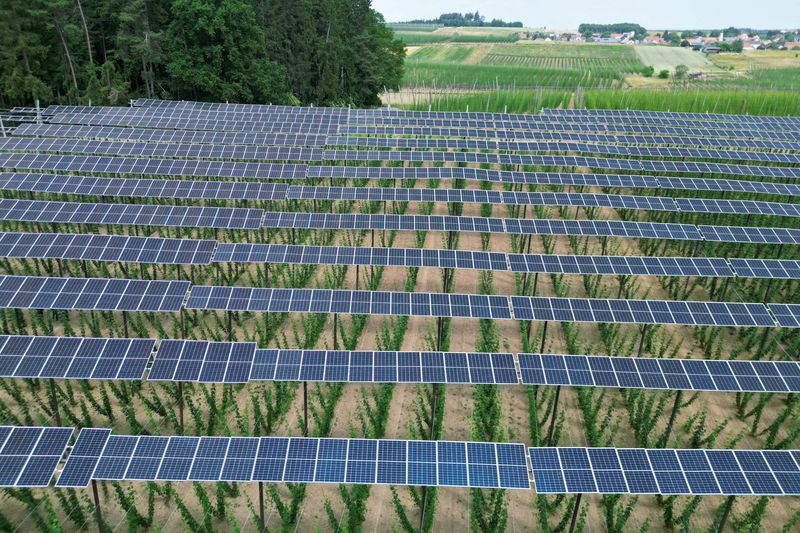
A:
668,57
273,318
520,65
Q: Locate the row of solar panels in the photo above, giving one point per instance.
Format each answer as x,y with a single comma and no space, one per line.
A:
91,186
29,357
332,126
292,153
627,113
33,292
246,218
250,190
31,456
562,146
109,133
158,250
562,161
203,167
363,117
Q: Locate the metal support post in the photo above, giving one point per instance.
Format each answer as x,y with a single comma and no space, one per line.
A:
97,514
544,337
575,511
180,404
305,408
54,402
261,505
641,340
675,406
725,513
553,417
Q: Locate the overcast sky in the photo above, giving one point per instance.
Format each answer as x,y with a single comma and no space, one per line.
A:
567,14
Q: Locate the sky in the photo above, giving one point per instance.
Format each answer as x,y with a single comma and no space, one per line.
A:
568,14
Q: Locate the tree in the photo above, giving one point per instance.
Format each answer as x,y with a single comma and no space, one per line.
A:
685,44
663,74
737,46
648,71
681,71
216,51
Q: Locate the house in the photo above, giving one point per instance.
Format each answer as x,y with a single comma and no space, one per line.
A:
654,39
711,49
791,45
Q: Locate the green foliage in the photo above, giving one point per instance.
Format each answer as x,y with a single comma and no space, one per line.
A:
648,71
680,72
279,51
663,74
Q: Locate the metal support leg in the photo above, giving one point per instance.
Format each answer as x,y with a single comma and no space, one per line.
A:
125,323
357,276
98,515
725,513
261,505
335,331
675,406
180,405
305,408
641,340
575,512
553,417
230,326
54,402
544,337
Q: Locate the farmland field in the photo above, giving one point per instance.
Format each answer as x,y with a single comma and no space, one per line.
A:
521,65
668,57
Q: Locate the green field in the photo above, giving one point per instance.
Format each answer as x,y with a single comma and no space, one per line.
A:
668,57
557,65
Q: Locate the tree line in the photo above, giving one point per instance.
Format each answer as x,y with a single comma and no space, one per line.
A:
607,29
254,51
467,19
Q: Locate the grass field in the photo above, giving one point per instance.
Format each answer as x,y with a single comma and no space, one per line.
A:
520,65
668,57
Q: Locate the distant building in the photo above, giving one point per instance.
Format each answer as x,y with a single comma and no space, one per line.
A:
711,49
654,39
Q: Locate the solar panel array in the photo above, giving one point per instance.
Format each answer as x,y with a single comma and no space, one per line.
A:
99,455
653,373
150,166
160,150
131,214
30,455
74,357
121,248
31,292
215,362
665,471
142,188
384,367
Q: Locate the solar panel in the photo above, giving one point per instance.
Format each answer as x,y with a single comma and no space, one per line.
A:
664,374
303,460
384,367
643,230
160,150
554,178
348,255
32,292
496,140
620,265
481,196
150,166
82,461
766,268
561,161
104,247
760,235
142,188
169,136
787,315
516,130
204,361
641,311
131,214
87,119
347,302
664,471
709,205
635,114
74,357
30,455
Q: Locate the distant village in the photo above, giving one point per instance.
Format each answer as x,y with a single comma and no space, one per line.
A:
709,42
